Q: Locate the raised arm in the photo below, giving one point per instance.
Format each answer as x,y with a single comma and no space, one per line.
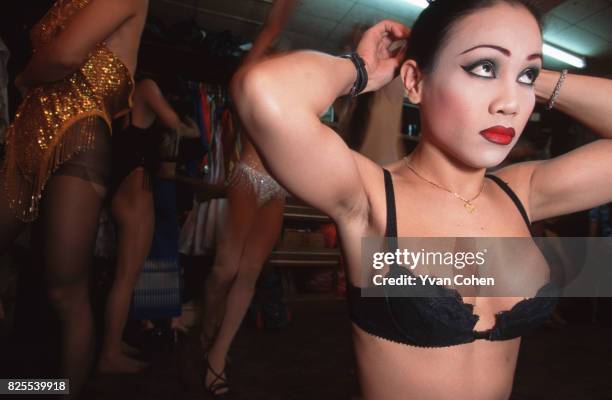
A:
280,100
69,50
584,98
582,178
277,18
152,97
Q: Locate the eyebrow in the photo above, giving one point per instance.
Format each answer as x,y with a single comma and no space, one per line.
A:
502,50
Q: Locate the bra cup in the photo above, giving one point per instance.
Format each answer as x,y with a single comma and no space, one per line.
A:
437,316
524,315
429,315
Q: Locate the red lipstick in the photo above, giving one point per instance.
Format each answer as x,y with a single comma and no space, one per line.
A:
498,135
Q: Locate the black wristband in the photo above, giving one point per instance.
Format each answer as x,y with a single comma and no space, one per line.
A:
362,75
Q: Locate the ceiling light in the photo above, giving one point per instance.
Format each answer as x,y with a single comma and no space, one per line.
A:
419,3
563,56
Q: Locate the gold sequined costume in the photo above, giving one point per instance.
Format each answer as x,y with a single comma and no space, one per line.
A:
58,120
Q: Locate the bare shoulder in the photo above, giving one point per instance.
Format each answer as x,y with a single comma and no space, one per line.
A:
139,10
142,7
139,6
133,7
518,177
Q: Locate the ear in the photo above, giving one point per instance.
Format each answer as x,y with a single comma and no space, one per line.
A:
413,81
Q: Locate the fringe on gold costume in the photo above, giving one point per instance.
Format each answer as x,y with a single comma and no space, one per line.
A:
57,120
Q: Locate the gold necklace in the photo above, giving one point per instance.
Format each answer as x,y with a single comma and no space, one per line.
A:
466,203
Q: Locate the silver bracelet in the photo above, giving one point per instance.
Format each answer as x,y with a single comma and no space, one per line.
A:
557,91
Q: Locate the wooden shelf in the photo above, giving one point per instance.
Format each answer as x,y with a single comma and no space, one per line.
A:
291,261
310,253
304,263
299,212
305,258
307,217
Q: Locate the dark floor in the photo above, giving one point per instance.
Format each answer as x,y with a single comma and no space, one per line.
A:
309,359
312,359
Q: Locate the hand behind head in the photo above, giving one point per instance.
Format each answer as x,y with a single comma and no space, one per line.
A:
378,48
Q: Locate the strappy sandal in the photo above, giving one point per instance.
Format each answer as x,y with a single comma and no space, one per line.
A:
206,343
218,388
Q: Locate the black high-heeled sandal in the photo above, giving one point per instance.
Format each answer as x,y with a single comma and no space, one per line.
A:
219,384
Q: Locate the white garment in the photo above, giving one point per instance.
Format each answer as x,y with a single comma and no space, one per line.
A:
4,80
201,230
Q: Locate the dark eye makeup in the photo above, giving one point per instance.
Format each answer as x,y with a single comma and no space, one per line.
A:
531,75
481,69
487,69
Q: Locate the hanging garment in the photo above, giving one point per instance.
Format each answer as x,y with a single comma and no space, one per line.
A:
202,227
158,291
4,80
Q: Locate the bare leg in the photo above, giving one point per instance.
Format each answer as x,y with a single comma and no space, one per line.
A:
240,213
129,350
67,225
261,239
132,208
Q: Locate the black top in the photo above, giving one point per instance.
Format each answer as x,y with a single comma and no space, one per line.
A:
135,147
442,318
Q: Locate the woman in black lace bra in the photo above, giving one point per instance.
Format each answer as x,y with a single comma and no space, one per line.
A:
474,67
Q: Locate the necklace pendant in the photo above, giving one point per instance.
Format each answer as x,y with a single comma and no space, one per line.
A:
469,207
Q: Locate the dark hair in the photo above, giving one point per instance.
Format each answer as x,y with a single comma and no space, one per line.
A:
176,91
435,22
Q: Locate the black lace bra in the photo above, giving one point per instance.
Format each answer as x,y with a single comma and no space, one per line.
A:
441,318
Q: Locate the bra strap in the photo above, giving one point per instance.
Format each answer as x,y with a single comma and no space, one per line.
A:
517,202
391,230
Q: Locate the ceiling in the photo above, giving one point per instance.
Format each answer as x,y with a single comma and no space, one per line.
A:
583,27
